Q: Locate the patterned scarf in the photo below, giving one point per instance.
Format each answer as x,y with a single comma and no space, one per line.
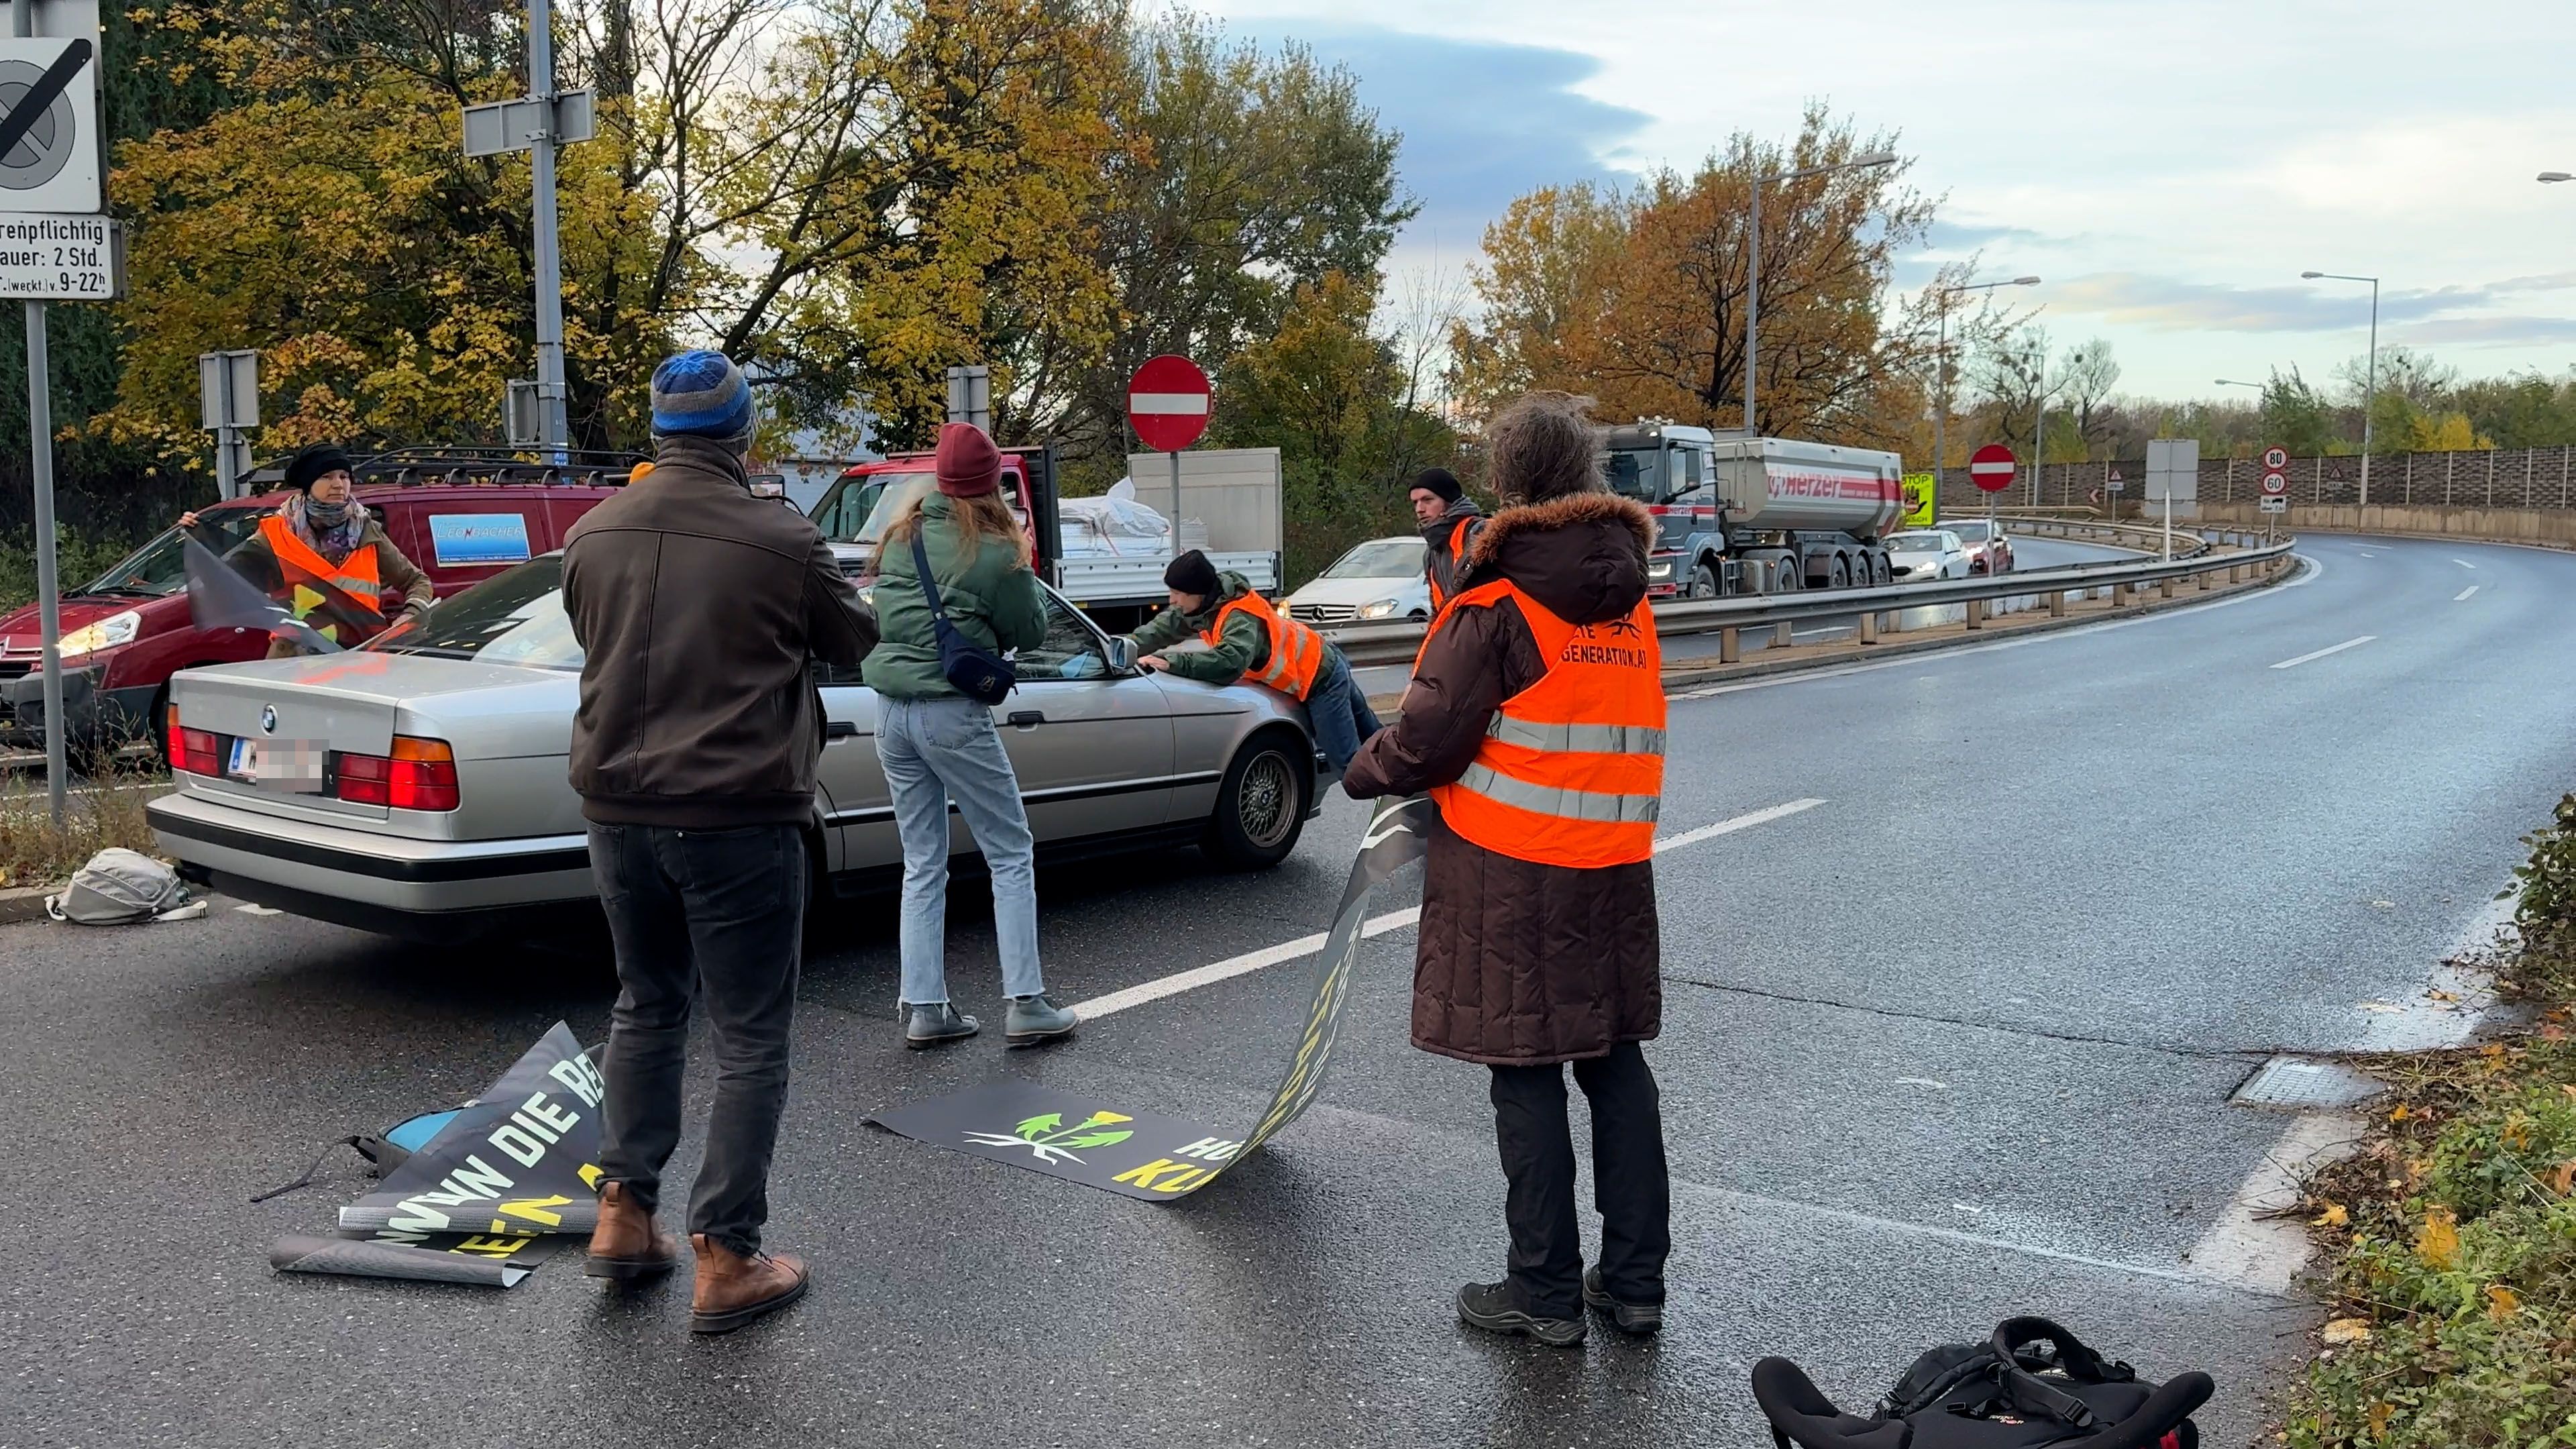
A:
334,543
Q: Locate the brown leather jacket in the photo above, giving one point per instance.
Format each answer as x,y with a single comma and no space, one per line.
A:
700,610
1521,963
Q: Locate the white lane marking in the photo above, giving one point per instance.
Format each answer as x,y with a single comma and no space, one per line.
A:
258,911
2464,563
2370,555
2462,596
2315,570
2255,1244
1251,961
2251,1243
2322,653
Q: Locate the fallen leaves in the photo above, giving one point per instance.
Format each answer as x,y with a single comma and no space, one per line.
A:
2379,1413
2502,1302
2400,1112
2562,1178
2336,1215
2341,1331
2438,1241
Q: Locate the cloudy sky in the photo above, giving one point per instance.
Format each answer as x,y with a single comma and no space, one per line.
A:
2168,166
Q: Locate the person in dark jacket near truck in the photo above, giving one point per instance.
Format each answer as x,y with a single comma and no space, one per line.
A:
700,610
1535,719
1247,637
1449,520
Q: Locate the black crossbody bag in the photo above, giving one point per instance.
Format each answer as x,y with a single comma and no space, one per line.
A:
977,672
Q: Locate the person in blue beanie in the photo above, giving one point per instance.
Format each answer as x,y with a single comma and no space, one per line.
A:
701,608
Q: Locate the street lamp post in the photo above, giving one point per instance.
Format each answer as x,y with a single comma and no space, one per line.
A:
2231,382
2039,427
2370,370
1941,365
1753,263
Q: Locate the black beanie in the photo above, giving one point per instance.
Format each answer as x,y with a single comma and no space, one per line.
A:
1191,573
316,460
1442,483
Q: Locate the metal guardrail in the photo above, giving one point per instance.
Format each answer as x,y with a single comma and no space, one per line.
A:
1397,643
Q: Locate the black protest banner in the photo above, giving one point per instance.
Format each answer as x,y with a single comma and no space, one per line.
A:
493,1193
219,598
1164,1159
484,1260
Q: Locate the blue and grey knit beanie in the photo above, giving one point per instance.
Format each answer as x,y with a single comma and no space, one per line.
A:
702,395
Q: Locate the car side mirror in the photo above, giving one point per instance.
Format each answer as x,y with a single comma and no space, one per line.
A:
1122,654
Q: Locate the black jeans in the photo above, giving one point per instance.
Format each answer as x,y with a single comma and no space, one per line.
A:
1629,1181
718,913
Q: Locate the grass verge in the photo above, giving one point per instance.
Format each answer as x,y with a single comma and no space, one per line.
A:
103,811
2450,1235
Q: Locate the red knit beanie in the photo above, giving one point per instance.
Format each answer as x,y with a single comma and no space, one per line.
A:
968,462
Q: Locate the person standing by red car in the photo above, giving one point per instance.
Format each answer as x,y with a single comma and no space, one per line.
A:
325,557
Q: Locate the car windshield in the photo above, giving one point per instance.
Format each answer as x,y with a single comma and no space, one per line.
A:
511,618
1969,532
1379,558
161,566
1636,473
1916,542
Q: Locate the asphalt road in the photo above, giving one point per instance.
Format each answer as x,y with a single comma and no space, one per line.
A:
1953,1043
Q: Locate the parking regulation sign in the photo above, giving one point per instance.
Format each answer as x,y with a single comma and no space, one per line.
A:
61,258
53,153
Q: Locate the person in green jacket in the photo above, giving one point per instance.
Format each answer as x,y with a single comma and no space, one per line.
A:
1335,705
938,746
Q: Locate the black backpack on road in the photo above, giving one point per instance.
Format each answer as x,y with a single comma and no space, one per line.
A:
2031,1384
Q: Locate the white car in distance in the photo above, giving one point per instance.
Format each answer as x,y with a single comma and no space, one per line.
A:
1377,582
1927,553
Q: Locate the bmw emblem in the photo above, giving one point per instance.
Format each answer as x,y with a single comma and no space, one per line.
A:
268,719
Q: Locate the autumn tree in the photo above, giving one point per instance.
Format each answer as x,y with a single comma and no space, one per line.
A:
1656,324
1245,174
1343,401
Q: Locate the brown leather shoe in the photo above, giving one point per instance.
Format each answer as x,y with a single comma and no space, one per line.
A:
733,1290
626,1245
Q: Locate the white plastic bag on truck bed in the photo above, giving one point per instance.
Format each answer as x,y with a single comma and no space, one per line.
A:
119,886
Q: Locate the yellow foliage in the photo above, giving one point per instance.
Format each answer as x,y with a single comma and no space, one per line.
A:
2502,1302
2448,433
2438,1241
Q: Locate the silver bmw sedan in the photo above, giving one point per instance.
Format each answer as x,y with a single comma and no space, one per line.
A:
418,786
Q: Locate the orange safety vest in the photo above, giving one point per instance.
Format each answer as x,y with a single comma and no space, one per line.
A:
344,598
1296,652
1443,574
1571,771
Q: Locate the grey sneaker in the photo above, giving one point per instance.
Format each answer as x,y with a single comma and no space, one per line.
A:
938,1025
1034,1019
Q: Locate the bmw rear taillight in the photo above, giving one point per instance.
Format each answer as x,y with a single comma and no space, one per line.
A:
418,775
193,752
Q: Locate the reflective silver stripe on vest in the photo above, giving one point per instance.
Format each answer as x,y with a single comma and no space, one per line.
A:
1589,739
1589,805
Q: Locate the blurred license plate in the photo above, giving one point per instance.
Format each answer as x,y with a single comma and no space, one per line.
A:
293,766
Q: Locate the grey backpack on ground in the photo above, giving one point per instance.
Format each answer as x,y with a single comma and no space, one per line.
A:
121,886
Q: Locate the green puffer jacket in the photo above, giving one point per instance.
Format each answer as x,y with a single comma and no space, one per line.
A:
992,599
1245,645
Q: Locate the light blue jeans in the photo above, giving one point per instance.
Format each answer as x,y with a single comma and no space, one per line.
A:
935,751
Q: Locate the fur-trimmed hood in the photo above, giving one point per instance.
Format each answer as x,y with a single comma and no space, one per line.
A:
1583,555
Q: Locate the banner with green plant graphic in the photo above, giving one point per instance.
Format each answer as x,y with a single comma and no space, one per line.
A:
1157,1158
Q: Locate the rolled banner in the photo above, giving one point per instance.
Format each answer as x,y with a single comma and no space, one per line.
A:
1164,1159
487,1267
219,598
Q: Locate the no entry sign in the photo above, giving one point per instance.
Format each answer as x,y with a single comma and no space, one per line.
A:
1991,467
1168,403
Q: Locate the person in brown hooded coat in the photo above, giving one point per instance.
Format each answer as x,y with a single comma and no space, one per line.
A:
1535,719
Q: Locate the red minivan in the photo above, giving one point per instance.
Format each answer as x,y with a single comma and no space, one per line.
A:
461,514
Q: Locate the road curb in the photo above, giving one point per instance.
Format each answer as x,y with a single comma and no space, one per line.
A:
1950,636
23,903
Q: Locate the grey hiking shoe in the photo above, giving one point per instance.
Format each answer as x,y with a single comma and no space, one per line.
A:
1637,1318
1034,1019
1495,1308
938,1025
